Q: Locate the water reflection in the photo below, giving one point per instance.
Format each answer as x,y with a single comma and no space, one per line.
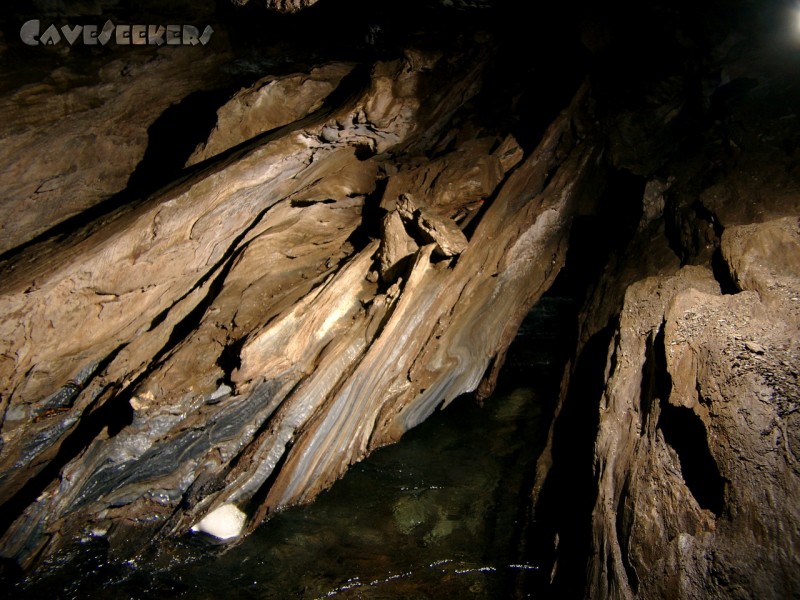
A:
442,514
439,515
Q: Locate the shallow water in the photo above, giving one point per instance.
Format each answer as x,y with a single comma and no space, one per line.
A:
441,514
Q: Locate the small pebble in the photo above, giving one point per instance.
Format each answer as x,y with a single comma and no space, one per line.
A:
753,347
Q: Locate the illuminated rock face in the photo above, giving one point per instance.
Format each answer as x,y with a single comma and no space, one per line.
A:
675,436
236,338
351,248
54,131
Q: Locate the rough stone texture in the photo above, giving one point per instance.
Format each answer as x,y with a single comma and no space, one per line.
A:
443,232
286,5
53,131
694,457
693,461
269,103
227,341
456,183
765,258
671,464
341,269
396,244
696,454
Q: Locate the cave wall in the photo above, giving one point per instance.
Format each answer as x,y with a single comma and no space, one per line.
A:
684,383
349,240
317,281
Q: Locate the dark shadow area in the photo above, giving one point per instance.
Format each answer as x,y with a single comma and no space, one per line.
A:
595,238
537,356
348,30
656,381
172,139
371,216
686,433
722,273
564,508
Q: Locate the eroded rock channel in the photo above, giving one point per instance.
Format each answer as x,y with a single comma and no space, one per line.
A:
230,272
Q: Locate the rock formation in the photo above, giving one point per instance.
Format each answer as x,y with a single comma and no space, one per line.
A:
685,376
53,131
353,243
286,6
237,339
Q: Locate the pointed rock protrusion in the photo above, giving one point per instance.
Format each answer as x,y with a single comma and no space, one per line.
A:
396,245
449,239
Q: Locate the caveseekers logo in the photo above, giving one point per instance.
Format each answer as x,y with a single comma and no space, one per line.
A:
124,35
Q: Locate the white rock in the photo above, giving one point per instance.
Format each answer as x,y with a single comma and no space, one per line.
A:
224,523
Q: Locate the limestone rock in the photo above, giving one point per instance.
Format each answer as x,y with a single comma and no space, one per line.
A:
456,184
225,334
449,239
680,499
695,429
269,103
73,140
396,244
765,258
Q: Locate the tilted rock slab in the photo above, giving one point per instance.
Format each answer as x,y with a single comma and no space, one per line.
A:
72,140
226,344
269,103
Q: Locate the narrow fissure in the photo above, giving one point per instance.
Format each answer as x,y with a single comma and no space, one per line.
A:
564,506
722,273
371,215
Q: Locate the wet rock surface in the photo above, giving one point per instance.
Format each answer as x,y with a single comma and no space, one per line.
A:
425,517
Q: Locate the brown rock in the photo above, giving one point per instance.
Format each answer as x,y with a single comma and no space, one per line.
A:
269,103
72,141
449,239
229,317
396,244
696,428
765,258
456,184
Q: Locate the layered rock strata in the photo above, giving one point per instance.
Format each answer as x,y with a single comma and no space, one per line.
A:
243,336
55,129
